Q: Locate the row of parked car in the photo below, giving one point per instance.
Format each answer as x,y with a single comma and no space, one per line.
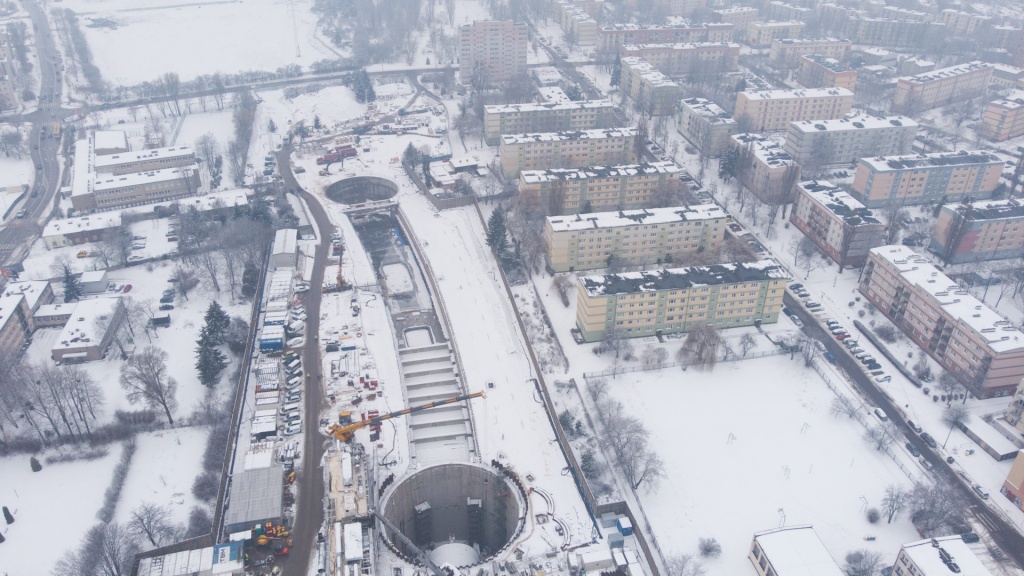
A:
291,407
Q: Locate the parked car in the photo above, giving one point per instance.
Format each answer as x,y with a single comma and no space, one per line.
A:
873,366
914,426
869,359
913,450
881,415
795,286
166,307
167,300
856,350
883,379
797,321
980,491
819,345
970,537
929,440
842,336
836,329
831,323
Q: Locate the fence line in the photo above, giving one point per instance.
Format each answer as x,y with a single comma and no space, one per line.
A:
726,357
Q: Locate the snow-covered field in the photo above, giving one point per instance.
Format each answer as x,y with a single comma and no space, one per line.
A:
162,471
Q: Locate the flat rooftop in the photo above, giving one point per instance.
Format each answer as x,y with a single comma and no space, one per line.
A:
673,24
82,329
999,333
776,23
801,93
8,305
935,160
826,62
556,105
106,160
624,218
32,290
683,278
1012,102
214,200
680,46
712,112
803,41
617,171
647,71
930,560
797,551
595,134
855,122
77,224
839,202
110,139
993,209
766,149
943,73
105,182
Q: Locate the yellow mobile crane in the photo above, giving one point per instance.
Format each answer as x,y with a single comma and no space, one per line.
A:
347,431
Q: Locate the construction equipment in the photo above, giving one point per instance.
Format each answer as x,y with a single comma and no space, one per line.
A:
346,432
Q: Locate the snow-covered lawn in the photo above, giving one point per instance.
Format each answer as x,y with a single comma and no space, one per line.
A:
750,445
162,470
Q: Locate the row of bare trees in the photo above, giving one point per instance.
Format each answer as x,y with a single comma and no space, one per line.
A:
628,438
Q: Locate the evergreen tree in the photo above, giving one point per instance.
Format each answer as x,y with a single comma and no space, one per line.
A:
616,72
426,171
316,122
72,287
727,166
250,277
371,94
210,361
411,155
497,237
217,323
271,126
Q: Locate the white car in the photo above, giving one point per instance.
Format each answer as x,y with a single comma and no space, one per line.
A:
301,288
883,379
296,342
293,430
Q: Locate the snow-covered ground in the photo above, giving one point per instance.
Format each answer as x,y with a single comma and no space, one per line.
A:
162,470
14,172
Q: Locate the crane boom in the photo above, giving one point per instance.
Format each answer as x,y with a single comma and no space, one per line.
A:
345,433
420,554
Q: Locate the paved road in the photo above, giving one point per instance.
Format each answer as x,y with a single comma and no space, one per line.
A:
1005,536
309,515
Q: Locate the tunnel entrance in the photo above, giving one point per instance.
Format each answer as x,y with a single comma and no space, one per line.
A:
459,514
359,189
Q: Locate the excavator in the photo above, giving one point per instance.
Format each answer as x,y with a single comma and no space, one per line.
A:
346,429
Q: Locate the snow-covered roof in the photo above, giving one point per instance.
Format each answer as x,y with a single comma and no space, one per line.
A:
647,71
840,203
823,41
110,139
934,160
826,62
797,551
671,24
546,75
992,209
82,330
185,562
776,23
710,111
104,182
594,134
55,309
683,278
854,122
801,93
930,560
678,46
213,200
1012,102
285,242
998,333
554,174
765,148
91,276
943,73
32,290
553,103
623,218
76,224
107,160
735,10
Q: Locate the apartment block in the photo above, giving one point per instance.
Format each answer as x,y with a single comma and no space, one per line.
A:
939,556
494,49
579,26
653,91
8,72
15,322
738,16
926,178
673,300
774,109
817,71
110,192
546,117
1013,486
598,188
814,143
892,32
143,160
778,10
771,171
669,7
763,33
611,38
840,225
786,52
705,125
1004,118
922,92
681,59
543,150
968,339
633,237
961,23
897,13
979,231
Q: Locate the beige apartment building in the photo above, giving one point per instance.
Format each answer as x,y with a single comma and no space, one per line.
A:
705,125
926,178
738,16
938,556
818,143
967,338
774,109
961,23
786,52
598,188
1013,486
940,87
762,34
669,7
652,91
817,71
778,10
892,32
579,27
611,38
109,192
546,117
672,300
681,59
840,225
143,160
1004,118
493,50
15,322
543,150
633,237
980,231
771,173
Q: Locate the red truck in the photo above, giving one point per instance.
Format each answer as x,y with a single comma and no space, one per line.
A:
336,155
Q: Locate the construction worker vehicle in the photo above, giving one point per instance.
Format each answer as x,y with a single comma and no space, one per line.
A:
345,429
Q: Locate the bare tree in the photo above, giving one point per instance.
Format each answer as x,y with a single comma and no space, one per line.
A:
894,215
563,284
152,522
702,345
881,436
806,255
144,377
118,550
948,385
747,343
895,501
934,505
807,350
207,148
684,565
842,406
862,563
185,280
955,415
616,341
653,358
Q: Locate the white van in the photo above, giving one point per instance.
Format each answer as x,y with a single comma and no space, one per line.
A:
291,364
290,408
294,381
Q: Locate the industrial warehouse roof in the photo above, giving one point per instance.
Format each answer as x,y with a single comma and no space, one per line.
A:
766,149
938,159
943,73
801,93
255,496
856,122
990,209
683,278
621,170
839,202
797,551
595,134
636,217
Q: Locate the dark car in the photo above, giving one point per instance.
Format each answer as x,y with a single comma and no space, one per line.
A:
165,307
929,440
970,537
874,366
167,299
913,450
914,426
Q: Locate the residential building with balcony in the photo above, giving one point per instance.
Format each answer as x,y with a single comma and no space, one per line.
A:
962,23
786,52
915,94
892,32
633,237
611,38
925,178
764,167
817,143
495,50
938,556
817,71
673,300
980,231
770,110
543,150
654,92
840,225
705,125
579,26
968,339
598,188
1004,118
682,59
781,11
547,117
762,33
738,16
